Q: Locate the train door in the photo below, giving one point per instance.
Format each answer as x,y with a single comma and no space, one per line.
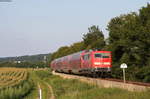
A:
86,61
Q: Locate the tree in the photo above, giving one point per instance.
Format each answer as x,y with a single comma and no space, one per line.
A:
129,37
66,50
76,47
144,18
62,51
94,39
124,39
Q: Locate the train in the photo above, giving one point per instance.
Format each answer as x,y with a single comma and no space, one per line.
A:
87,62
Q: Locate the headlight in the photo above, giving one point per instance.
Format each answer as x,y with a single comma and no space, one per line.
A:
106,63
97,63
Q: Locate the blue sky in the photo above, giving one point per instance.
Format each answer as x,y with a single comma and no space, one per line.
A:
42,26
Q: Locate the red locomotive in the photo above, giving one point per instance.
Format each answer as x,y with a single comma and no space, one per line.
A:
84,62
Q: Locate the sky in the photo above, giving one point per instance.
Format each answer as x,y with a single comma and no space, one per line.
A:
30,27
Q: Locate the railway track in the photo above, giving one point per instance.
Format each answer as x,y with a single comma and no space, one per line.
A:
109,82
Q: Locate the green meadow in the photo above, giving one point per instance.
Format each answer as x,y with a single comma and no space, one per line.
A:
25,84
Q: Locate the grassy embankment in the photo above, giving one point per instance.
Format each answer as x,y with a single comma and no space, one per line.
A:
74,89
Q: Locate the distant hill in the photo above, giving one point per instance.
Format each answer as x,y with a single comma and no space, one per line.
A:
27,58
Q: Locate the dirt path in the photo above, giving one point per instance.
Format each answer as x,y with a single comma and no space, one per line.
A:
51,90
42,85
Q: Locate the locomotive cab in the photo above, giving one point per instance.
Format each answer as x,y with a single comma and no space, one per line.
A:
101,61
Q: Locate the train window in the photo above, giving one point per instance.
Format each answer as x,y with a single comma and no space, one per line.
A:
106,55
86,57
102,55
98,55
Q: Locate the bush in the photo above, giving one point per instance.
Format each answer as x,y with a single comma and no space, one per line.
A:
143,74
43,74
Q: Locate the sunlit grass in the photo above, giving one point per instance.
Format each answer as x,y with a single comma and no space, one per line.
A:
14,83
74,89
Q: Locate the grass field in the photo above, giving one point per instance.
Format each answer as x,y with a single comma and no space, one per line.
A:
14,83
74,89
39,83
25,83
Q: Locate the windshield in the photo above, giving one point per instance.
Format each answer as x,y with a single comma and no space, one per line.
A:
102,55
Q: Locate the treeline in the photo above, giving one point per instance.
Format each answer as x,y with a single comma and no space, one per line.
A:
39,64
26,58
129,41
28,61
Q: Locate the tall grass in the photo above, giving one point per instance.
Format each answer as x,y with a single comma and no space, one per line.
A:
14,83
43,74
38,76
74,89
16,92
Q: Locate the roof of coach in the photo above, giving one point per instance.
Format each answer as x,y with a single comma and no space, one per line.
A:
84,51
103,51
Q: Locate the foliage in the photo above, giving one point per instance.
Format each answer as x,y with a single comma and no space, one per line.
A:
143,74
94,39
29,61
39,64
66,50
129,42
129,37
26,58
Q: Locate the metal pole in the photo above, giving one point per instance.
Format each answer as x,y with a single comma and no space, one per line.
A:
124,80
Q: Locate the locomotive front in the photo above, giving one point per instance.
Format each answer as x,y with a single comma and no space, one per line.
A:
101,61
